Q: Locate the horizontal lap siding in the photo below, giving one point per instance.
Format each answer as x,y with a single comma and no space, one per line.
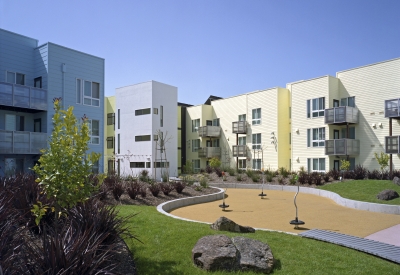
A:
372,85
192,113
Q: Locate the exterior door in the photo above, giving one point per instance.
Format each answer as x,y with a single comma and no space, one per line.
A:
335,134
37,125
336,165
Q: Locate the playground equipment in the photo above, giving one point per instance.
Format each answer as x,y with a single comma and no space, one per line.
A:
262,195
223,205
296,221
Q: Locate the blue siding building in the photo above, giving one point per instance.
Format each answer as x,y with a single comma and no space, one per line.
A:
31,75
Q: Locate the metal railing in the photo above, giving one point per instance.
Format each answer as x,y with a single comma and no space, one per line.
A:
239,127
392,107
239,150
23,96
209,131
344,114
209,152
392,145
342,147
15,142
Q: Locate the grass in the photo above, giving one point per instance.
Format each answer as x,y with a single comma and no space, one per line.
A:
167,246
363,190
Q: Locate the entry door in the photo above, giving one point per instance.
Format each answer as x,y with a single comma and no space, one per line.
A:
37,125
336,165
335,103
335,134
208,143
209,122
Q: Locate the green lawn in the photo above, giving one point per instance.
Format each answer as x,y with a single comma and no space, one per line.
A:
363,190
167,245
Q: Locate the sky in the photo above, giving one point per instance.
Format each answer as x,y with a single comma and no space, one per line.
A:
214,47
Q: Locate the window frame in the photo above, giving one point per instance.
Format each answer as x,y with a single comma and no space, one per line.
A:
345,101
256,164
142,138
320,133
242,117
110,142
256,119
242,164
94,137
110,118
143,112
195,123
257,145
311,162
196,168
315,110
194,143
15,78
81,96
242,140
215,122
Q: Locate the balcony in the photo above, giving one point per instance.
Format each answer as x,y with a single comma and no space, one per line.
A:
21,96
342,147
239,150
15,142
209,152
209,131
392,145
239,127
341,115
392,108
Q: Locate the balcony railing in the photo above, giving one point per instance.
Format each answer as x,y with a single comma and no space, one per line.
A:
239,127
342,147
23,96
209,152
15,142
209,131
239,150
392,145
341,115
392,108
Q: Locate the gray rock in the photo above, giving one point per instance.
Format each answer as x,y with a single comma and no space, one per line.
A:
196,183
254,255
215,252
219,252
396,181
387,195
225,224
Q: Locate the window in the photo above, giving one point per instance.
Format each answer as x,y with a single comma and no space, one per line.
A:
257,164
111,166
196,165
155,137
215,143
95,167
155,111
110,142
256,140
37,82
352,164
242,117
215,122
195,145
352,133
139,164
316,137
348,101
316,107
242,140
110,118
119,115
142,138
15,78
242,164
256,116
195,124
161,116
13,166
14,123
91,92
142,112
163,164
290,112
94,131
316,165
290,138
119,144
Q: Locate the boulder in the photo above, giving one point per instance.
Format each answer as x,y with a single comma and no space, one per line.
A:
219,252
254,255
387,195
225,224
396,181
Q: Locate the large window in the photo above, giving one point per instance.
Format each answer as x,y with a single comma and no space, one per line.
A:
91,92
348,101
215,122
195,124
143,138
142,112
196,165
161,164
256,140
316,137
14,123
257,164
242,164
352,133
94,131
256,116
95,167
110,142
195,145
316,164
316,107
139,164
242,117
110,118
15,78
242,140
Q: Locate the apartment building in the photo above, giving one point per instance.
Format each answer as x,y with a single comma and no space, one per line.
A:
109,134
146,129
31,76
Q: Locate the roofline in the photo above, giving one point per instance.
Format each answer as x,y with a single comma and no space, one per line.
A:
372,64
145,82
37,41
253,92
299,81
51,43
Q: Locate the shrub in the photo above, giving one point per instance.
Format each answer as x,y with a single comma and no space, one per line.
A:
249,173
143,191
385,175
255,177
239,177
230,170
117,190
144,175
360,172
188,167
203,182
239,171
395,173
374,174
304,178
209,170
154,189
334,174
269,177
179,186
133,189
326,177
280,179
315,178
218,172
215,163
165,176
283,172
292,179
348,175
166,188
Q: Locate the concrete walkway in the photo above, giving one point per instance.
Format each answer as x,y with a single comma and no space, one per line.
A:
275,211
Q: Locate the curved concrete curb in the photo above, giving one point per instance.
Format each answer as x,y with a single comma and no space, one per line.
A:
360,205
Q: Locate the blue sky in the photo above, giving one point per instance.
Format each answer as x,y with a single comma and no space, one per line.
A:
214,47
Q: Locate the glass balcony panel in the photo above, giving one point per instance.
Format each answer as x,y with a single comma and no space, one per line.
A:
21,101
209,131
6,142
22,96
340,115
22,142
239,127
209,152
38,142
392,108
342,147
239,150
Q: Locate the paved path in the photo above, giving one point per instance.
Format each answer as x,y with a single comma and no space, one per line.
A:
277,209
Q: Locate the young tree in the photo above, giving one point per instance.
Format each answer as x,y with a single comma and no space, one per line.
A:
344,165
383,161
64,167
